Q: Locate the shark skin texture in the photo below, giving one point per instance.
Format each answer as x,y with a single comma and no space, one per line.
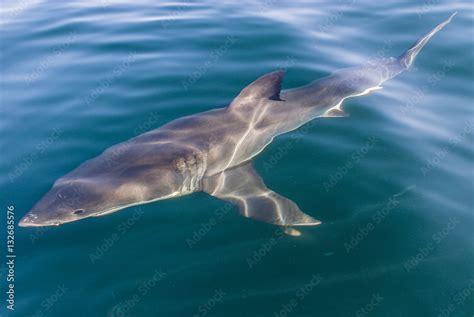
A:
212,151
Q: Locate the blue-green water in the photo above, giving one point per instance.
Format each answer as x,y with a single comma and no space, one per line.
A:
392,183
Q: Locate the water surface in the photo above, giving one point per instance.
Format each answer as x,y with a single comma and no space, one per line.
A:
392,183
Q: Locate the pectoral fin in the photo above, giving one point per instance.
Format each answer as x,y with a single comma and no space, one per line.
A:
242,186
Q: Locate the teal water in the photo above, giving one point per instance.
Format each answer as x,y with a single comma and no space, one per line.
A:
392,183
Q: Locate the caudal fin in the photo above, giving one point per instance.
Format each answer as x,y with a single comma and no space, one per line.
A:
408,57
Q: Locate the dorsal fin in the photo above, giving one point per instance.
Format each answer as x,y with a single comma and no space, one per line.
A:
268,86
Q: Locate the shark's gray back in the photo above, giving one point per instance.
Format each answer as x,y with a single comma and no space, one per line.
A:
208,143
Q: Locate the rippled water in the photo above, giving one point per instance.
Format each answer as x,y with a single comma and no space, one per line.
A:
392,183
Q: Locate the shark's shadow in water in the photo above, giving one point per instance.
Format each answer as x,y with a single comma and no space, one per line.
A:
213,151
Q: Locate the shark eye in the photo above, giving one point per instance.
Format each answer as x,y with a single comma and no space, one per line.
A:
78,211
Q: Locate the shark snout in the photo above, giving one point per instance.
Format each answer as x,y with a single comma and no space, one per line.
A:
32,220
28,220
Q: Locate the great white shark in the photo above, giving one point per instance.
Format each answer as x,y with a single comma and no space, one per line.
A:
212,151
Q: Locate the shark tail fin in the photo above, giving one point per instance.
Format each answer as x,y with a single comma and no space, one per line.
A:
408,57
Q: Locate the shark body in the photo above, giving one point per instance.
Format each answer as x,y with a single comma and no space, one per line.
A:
213,151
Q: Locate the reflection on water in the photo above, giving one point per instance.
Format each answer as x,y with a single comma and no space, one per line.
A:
79,77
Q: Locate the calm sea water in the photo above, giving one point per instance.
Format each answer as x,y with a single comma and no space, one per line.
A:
392,183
